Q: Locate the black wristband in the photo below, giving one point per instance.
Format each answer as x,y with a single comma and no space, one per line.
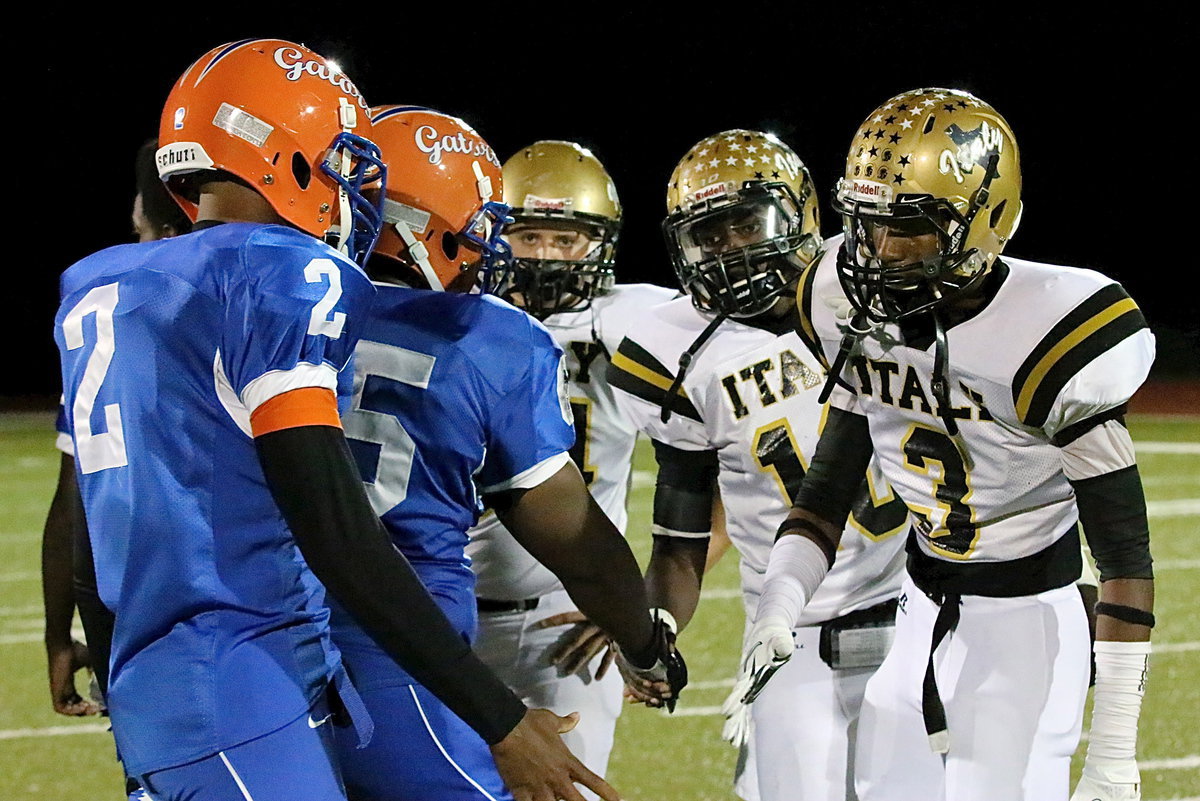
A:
817,535
1127,614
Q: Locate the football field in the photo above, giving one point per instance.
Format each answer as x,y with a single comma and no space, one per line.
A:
656,757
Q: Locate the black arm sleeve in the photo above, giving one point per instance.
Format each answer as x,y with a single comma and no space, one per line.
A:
317,487
683,493
837,469
1112,509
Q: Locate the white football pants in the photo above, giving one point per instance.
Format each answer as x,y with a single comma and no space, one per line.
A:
804,726
517,653
1013,677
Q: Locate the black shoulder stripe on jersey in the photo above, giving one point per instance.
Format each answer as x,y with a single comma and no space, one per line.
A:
804,300
635,371
1091,328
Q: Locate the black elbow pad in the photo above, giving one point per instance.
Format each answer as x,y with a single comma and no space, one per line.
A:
1112,510
835,475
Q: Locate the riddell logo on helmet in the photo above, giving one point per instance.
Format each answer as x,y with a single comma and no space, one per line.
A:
428,140
870,191
546,203
709,192
294,64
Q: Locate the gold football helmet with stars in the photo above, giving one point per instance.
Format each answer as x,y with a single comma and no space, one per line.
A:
742,222
927,163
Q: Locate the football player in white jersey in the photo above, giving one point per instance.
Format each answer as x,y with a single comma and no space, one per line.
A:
727,391
992,393
564,234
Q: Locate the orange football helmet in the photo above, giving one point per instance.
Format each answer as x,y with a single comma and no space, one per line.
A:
439,216
286,122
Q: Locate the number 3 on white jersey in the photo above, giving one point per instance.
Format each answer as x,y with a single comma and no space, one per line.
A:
95,451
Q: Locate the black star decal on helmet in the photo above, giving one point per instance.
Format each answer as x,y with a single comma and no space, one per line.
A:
902,107
758,175
879,134
898,178
904,161
873,151
867,134
962,104
775,173
891,119
948,106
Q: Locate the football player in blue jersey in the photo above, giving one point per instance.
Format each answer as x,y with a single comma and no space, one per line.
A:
199,380
456,397
155,216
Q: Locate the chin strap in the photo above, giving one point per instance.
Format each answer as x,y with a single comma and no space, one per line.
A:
348,117
854,332
419,255
685,361
941,383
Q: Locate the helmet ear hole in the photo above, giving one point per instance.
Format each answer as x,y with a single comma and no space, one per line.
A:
449,245
997,213
300,170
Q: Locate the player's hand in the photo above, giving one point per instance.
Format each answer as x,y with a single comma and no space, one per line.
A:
536,765
737,714
579,646
659,684
768,647
736,730
64,660
1108,782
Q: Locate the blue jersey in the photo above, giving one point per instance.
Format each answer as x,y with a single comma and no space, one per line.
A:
221,633
454,396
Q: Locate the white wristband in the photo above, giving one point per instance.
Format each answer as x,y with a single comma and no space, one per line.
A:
1121,670
794,572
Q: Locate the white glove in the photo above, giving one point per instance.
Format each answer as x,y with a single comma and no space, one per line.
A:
1094,788
768,647
735,709
737,715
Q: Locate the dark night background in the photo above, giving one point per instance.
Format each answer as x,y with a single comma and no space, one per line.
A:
1099,107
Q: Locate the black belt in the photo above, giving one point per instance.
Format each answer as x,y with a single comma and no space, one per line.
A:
489,605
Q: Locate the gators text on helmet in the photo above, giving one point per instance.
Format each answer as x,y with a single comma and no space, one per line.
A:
282,120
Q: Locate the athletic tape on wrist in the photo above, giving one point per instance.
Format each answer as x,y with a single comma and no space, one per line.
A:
1121,671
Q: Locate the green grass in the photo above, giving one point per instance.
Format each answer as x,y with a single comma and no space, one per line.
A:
656,758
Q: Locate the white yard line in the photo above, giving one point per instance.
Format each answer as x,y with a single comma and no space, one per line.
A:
1178,448
1181,763
29,610
53,731
721,593
1176,564
1180,507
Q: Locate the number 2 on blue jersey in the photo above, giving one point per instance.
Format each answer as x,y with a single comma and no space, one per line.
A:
106,450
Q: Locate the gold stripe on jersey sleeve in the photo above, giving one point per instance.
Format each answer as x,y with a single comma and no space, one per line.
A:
1064,346
804,303
663,382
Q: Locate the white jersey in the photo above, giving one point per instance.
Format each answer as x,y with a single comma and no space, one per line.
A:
1054,347
604,439
752,397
